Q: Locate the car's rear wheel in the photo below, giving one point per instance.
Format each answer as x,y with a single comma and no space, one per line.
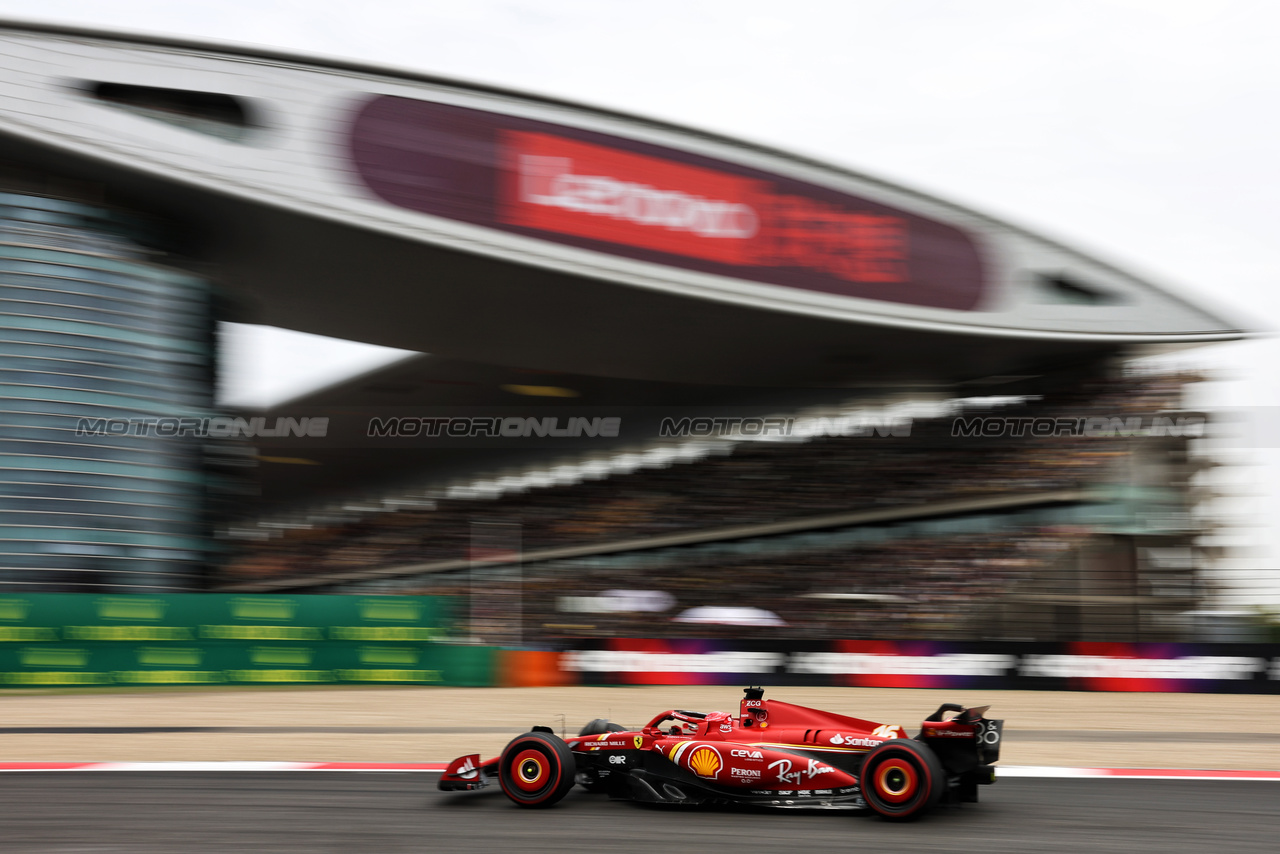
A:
902,779
536,769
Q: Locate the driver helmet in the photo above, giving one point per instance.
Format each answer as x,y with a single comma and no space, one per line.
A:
718,721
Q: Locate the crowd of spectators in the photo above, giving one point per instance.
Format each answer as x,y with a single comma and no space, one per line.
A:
756,483
917,587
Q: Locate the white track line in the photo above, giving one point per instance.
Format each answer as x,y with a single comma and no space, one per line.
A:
1044,771
420,767
1002,771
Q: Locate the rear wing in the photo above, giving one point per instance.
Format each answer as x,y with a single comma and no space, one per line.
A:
963,738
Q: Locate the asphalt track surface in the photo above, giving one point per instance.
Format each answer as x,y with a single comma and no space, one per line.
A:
390,813
1172,736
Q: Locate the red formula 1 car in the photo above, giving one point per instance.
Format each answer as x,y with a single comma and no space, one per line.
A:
772,754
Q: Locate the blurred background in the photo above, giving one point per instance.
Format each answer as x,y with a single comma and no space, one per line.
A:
229,222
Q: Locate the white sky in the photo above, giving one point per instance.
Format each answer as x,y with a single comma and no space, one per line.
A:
1142,130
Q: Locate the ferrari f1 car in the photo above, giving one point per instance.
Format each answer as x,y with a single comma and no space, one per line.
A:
771,754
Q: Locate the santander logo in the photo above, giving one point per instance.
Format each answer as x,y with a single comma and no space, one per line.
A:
854,740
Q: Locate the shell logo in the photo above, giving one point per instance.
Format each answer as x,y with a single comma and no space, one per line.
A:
705,762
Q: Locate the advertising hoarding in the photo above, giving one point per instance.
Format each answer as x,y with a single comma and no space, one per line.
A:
65,640
1147,667
658,204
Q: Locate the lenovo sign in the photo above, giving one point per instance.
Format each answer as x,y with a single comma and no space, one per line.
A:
656,204
591,191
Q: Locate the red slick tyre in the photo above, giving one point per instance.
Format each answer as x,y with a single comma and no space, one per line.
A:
536,769
902,779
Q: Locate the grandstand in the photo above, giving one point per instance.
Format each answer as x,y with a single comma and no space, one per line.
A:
1053,537
561,265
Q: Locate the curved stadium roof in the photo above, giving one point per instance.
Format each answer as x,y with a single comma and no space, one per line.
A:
503,228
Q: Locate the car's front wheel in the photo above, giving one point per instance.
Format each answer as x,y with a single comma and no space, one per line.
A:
902,779
536,769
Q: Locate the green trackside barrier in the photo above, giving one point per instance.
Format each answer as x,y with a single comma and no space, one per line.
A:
470,666
79,639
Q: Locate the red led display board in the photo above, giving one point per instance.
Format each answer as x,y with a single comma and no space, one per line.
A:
656,204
